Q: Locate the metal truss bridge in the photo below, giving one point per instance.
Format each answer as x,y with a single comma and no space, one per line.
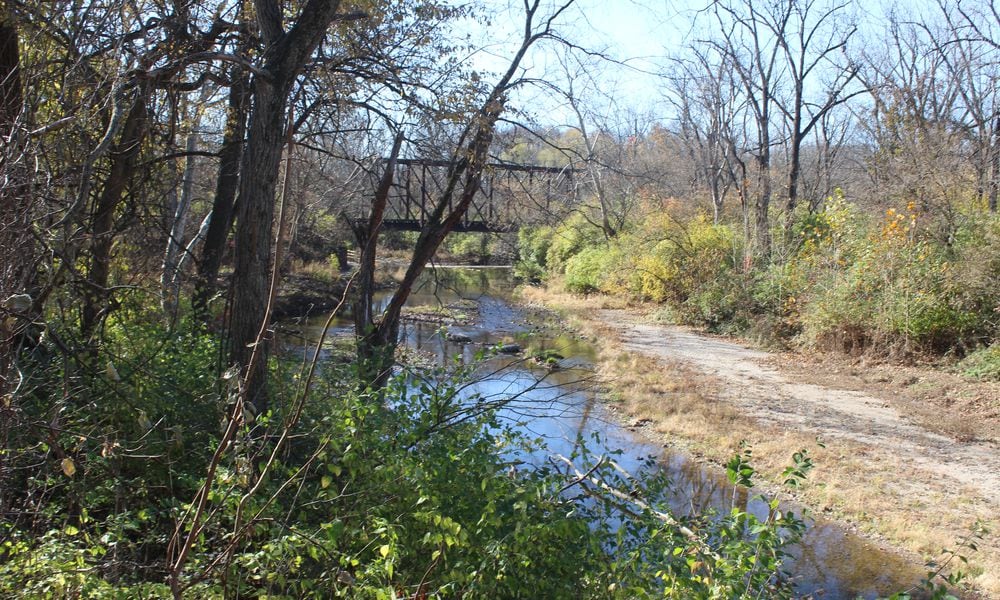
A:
508,195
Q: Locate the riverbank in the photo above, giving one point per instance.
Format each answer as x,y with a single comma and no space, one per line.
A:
886,468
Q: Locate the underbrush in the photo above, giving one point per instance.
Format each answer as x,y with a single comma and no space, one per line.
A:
983,363
905,283
419,490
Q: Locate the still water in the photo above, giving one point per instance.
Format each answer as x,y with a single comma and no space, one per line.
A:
562,406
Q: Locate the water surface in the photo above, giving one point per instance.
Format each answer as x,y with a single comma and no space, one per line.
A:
562,407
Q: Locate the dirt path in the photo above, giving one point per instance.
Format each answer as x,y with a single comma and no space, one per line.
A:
759,389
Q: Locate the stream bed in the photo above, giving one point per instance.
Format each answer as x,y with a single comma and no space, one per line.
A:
562,406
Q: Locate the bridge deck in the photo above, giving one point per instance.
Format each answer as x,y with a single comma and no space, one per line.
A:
470,227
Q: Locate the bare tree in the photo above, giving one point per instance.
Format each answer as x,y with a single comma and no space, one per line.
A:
705,94
603,144
972,54
831,135
814,44
748,38
378,338
916,143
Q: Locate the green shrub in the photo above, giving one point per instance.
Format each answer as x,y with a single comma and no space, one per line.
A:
473,247
532,249
412,492
845,278
692,267
895,287
589,270
570,238
137,417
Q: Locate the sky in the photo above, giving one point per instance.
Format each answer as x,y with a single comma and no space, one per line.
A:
636,34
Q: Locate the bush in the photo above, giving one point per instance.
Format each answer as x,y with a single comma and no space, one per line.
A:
410,492
532,248
589,270
982,364
692,267
133,422
571,237
893,284
894,287
472,247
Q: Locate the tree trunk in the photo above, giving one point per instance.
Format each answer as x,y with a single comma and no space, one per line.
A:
16,246
188,254
10,71
221,221
96,296
794,170
14,220
170,276
714,189
376,348
761,224
995,167
254,217
762,227
284,58
373,366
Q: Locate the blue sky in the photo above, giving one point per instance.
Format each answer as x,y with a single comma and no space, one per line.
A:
635,32
638,33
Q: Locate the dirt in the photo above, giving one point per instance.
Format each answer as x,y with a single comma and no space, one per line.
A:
775,395
930,395
915,451
303,294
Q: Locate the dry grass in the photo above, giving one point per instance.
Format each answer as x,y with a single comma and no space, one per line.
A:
318,270
869,489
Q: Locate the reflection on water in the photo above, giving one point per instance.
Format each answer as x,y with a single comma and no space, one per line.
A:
561,408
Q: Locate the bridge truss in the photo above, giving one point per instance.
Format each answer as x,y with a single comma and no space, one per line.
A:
509,195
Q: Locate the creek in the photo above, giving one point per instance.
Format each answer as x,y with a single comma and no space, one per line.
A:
562,406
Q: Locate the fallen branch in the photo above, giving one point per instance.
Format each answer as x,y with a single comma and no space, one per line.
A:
588,476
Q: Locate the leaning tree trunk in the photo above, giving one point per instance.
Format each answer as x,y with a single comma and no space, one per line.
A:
369,355
377,345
